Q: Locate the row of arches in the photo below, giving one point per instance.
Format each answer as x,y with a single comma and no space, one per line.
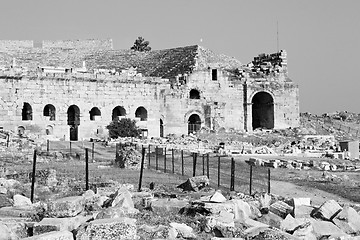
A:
73,113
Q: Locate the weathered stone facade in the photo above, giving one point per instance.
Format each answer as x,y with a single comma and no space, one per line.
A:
172,91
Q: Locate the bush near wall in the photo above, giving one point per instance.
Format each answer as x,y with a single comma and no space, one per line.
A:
124,127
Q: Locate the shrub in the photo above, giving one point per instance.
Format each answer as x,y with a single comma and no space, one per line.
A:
124,127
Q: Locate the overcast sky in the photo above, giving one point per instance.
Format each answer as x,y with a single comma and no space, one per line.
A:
321,37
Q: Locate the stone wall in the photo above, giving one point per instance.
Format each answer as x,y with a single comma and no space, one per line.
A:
15,44
62,92
88,44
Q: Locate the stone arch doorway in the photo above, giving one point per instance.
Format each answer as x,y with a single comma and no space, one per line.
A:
161,128
262,111
73,118
194,123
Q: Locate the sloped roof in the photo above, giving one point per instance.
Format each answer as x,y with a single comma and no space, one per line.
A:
166,63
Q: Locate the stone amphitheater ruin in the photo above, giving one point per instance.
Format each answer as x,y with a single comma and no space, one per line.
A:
73,89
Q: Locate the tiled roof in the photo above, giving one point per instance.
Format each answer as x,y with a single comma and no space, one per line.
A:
165,63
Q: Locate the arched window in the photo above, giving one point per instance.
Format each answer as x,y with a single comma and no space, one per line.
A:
141,113
73,115
118,112
194,94
49,111
26,112
94,112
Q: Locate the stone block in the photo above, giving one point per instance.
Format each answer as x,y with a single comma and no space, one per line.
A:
328,210
290,224
66,207
21,201
55,235
109,229
59,224
115,212
348,220
195,183
122,199
217,197
17,212
303,211
5,201
281,209
301,202
242,210
170,205
183,230
325,228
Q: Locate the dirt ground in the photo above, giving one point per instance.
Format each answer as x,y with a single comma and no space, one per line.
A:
317,196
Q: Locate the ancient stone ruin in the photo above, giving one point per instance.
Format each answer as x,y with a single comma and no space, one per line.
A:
73,89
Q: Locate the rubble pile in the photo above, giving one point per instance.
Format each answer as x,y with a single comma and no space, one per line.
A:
198,212
128,157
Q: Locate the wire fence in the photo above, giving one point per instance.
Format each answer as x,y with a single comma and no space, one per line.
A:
222,171
163,165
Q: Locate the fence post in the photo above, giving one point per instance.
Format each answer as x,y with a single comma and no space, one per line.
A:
33,178
250,190
232,180
156,158
47,145
207,165
194,163
92,151
268,180
141,167
86,169
218,171
7,140
182,162
172,160
149,157
203,161
70,147
165,160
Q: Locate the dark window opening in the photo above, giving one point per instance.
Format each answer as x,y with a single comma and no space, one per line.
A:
194,94
161,128
26,112
118,112
49,111
214,74
194,123
21,131
94,112
141,113
73,120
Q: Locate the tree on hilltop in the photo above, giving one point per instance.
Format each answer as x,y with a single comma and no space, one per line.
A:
141,45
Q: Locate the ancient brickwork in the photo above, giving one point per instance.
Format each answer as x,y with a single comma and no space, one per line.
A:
105,94
182,89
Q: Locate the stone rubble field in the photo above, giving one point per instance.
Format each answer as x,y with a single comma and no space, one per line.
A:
191,210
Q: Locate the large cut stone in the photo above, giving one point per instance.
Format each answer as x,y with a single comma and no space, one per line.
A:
348,220
328,210
55,235
281,209
17,212
325,228
195,183
66,207
5,233
303,211
242,210
116,212
21,201
183,230
217,197
59,224
290,224
122,199
168,205
109,229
